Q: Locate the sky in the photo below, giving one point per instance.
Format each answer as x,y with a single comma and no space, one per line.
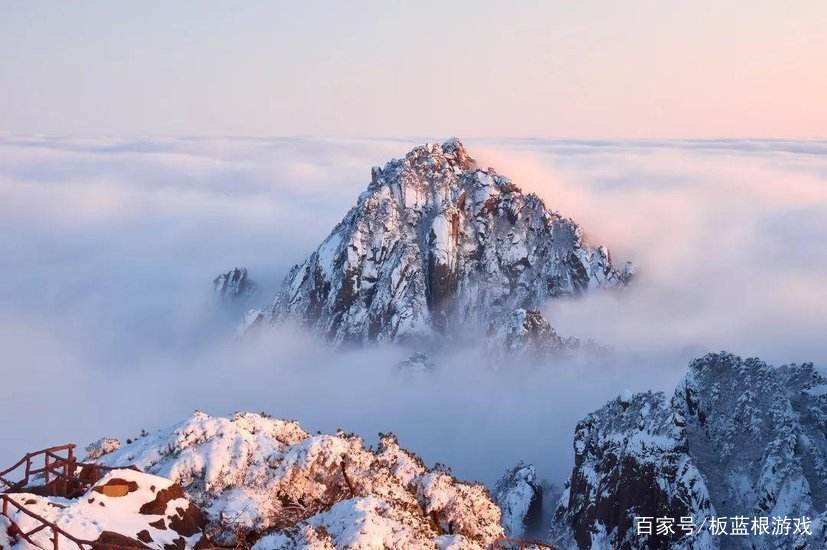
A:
589,69
108,248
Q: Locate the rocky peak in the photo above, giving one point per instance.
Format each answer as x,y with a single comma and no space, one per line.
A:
430,160
520,498
434,246
524,330
233,285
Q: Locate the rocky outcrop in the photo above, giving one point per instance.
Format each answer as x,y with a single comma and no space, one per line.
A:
234,285
739,438
435,246
526,331
417,363
520,498
102,446
631,460
257,477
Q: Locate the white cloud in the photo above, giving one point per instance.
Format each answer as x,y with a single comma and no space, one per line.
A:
109,248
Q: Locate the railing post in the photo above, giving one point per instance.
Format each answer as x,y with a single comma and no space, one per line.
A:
72,460
46,468
5,505
54,539
28,469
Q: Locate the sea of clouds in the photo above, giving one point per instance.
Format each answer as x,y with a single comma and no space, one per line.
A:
108,249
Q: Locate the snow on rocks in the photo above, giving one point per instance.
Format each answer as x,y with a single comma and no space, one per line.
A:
254,476
525,330
5,540
529,333
630,461
434,245
520,498
234,285
758,436
739,438
363,522
102,446
817,537
125,507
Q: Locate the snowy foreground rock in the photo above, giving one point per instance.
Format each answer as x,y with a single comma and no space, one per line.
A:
125,508
265,481
738,439
436,245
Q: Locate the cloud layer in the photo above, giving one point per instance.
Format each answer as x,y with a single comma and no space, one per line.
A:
109,248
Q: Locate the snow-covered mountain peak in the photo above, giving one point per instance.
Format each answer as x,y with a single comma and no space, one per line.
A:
432,158
436,246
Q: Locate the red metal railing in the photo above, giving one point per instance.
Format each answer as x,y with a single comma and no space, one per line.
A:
61,475
55,467
43,523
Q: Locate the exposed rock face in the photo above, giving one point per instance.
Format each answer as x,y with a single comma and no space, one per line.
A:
630,460
256,476
759,435
521,500
436,243
125,507
234,285
739,438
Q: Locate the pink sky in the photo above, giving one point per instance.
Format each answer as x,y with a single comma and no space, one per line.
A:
638,69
